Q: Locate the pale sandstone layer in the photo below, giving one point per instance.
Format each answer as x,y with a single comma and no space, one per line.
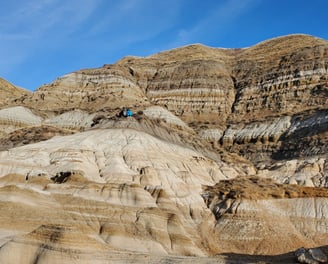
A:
120,191
126,191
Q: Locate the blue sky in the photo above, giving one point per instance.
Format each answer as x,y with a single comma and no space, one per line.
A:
41,40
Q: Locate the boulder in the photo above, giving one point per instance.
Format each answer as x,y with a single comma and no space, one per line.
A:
310,256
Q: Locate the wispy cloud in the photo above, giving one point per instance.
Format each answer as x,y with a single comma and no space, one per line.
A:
217,22
35,35
71,30
36,17
26,26
131,21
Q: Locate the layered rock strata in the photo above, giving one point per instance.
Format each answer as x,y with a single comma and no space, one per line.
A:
125,190
78,182
258,214
235,91
10,92
89,90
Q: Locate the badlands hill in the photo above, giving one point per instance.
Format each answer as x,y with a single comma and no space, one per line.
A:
224,160
8,92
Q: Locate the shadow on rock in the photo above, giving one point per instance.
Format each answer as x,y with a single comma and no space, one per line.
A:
290,257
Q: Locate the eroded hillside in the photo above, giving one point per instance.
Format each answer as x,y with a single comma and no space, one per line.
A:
226,153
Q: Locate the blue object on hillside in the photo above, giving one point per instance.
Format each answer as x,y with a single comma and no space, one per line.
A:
129,112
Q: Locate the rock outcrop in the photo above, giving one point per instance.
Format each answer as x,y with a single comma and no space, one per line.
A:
124,190
311,255
90,90
253,94
10,92
258,214
224,158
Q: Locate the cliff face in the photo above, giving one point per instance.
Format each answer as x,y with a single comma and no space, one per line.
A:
156,184
270,94
90,90
283,76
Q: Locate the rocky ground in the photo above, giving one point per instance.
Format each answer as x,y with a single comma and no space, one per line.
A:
223,161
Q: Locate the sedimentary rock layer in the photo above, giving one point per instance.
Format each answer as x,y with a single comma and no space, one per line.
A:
10,92
81,183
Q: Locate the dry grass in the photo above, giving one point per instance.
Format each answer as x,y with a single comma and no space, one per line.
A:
256,188
28,135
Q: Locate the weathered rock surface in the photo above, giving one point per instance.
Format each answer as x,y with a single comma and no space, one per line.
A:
125,191
89,90
270,87
18,116
285,76
10,92
31,134
260,215
311,255
104,153
157,112
224,159
75,119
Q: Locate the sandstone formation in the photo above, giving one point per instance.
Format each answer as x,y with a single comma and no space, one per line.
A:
223,161
260,215
9,92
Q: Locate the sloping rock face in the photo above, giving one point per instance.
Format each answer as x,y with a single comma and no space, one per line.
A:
260,92
226,154
19,116
9,92
261,216
124,190
283,76
90,90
